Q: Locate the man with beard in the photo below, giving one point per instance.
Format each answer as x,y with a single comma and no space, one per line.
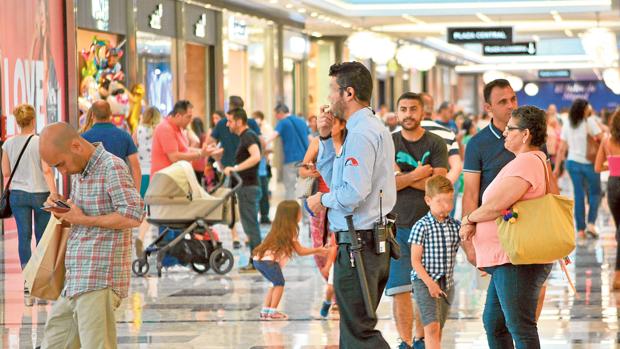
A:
419,156
358,188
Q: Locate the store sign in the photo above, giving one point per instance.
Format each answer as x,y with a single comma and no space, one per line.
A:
554,73
200,28
237,30
480,35
516,48
155,17
100,11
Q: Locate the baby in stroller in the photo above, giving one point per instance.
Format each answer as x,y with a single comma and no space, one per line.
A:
177,202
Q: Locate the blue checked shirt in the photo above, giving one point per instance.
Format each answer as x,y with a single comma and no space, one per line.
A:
441,242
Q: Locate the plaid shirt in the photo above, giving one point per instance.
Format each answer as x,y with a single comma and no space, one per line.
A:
441,242
97,257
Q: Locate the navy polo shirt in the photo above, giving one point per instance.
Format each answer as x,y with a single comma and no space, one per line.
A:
114,140
485,154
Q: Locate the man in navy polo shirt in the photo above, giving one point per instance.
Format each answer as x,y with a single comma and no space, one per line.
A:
115,141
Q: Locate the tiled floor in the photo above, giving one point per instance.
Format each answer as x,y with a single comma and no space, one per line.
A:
186,310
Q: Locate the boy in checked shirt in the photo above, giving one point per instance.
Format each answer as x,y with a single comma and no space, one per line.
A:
434,243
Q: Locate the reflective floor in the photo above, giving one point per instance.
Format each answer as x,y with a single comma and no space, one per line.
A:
183,309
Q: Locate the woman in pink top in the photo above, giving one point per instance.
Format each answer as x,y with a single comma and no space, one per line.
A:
510,309
608,158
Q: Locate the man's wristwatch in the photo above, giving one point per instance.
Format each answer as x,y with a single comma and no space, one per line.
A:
325,138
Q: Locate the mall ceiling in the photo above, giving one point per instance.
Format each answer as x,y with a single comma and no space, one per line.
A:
557,27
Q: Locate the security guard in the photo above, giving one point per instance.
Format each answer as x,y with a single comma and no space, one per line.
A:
356,176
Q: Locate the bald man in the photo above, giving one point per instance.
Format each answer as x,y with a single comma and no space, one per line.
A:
104,206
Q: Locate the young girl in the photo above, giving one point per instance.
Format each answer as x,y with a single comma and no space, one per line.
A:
274,252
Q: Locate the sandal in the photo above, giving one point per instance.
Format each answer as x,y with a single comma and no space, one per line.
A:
278,316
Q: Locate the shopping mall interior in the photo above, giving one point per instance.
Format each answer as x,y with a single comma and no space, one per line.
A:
62,56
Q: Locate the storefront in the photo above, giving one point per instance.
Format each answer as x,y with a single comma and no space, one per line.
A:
249,60
296,47
157,52
32,70
101,45
198,50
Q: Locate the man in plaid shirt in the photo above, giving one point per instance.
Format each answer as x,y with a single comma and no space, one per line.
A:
105,205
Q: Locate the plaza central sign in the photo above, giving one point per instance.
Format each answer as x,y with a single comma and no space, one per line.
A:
516,48
497,35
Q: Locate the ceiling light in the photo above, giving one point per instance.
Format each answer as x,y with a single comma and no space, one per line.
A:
556,16
568,33
484,18
413,19
316,34
531,89
273,1
416,57
289,6
491,75
515,82
536,38
601,45
313,14
301,10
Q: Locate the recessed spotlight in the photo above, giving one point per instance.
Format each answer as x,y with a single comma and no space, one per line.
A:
313,14
289,6
568,33
301,10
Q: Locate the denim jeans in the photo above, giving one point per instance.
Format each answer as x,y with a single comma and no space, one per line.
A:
248,209
264,197
584,178
510,308
23,205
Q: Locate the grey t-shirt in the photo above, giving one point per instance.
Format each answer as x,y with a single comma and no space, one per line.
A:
29,174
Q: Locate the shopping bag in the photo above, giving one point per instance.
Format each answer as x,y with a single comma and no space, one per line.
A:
538,231
45,271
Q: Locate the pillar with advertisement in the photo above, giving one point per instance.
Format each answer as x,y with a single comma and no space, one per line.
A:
32,61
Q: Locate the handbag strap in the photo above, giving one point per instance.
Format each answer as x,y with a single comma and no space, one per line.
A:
19,158
301,138
547,183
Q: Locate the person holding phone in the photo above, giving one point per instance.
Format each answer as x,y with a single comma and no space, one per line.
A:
32,183
103,208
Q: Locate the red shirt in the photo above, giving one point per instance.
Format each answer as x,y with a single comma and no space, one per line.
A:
167,138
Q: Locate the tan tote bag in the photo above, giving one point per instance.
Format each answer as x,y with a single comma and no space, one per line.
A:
45,271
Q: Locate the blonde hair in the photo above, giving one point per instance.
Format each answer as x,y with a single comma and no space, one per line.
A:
438,185
151,117
89,121
24,114
283,231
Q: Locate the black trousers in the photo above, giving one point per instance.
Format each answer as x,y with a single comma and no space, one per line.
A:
613,199
357,330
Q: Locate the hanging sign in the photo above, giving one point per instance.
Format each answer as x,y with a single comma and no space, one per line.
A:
480,35
515,48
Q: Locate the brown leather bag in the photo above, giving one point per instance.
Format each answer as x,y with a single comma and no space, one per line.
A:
592,145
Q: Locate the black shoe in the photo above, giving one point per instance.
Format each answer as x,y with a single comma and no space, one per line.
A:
236,245
265,220
248,269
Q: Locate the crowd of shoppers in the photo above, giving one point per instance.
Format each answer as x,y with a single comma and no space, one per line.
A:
508,154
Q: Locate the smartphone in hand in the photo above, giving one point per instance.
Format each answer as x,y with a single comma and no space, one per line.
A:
61,207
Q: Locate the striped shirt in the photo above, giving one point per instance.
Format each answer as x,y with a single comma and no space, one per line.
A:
440,241
98,257
445,133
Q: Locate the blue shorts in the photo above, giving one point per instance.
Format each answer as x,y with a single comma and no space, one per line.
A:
400,269
271,271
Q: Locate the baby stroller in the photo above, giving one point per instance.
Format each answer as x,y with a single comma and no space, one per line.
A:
175,201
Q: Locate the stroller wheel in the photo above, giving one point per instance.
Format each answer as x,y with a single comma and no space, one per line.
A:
200,268
140,267
222,261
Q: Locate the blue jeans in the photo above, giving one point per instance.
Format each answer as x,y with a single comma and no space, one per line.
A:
248,209
584,178
510,308
271,271
264,197
399,280
23,205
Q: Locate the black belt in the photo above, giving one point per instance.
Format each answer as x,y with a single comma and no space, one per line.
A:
343,237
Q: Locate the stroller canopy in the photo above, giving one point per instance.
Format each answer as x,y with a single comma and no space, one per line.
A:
175,181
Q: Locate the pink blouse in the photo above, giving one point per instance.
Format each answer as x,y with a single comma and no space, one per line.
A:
527,166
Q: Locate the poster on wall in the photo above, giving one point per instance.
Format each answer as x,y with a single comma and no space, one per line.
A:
32,60
562,94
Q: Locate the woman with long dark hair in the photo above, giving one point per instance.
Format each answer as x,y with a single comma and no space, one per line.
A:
580,168
608,158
